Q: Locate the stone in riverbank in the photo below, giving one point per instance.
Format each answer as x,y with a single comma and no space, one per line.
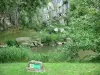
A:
27,41
23,39
3,46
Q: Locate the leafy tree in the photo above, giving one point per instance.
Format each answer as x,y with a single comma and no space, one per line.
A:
85,23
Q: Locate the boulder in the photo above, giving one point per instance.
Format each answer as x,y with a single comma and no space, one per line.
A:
41,45
28,44
3,46
59,43
26,41
23,39
56,30
64,43
37,43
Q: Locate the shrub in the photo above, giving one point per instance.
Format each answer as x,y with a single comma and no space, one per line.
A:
56,56
14,54
12,43
52,56
44,57
45,38
11,54
52,38
63,53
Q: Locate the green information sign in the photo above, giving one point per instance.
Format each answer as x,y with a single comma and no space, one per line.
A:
37,66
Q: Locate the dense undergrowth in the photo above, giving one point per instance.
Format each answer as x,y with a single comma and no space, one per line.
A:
83,29
13,54
10,54
61,54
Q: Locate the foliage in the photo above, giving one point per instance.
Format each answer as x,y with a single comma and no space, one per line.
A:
84,24
12,43
60,54
50,37
11,54
82,33
21,12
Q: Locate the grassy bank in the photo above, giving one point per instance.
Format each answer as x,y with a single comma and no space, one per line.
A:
52,69
17,54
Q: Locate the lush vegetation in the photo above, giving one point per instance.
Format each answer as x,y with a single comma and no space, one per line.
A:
10,54
84,23
60,54
15,54
82,27
81,31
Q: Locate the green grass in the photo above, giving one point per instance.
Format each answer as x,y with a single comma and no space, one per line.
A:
13,53
52,69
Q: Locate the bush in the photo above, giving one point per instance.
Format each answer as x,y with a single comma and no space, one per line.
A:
64,53
12,43
59,55
10,54
52,38
45,38
44,57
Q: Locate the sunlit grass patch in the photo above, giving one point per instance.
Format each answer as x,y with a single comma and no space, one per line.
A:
52,69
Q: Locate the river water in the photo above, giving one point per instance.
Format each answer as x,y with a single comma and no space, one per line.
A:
44,49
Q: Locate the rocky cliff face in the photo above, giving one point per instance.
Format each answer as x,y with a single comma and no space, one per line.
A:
56,9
